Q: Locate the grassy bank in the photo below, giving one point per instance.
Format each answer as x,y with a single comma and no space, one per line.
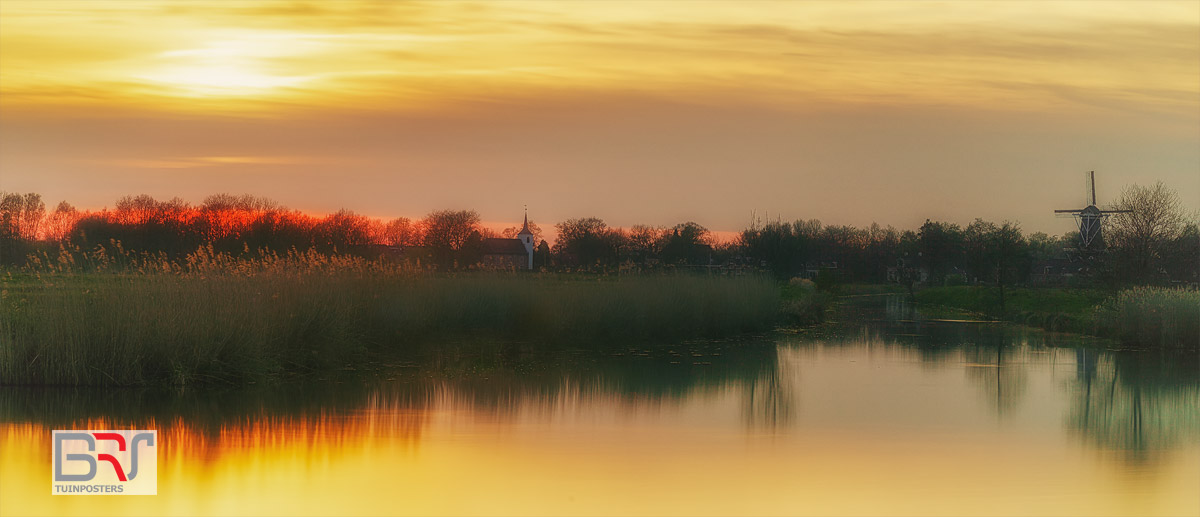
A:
211,326
1139,317
1066,310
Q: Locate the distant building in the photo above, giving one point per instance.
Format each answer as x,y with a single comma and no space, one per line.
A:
903,270
510,253
1053,271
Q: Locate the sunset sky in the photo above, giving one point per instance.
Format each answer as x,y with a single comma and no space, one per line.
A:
636,112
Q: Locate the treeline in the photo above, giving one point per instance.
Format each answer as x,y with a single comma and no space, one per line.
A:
1156,243
229,223
247,224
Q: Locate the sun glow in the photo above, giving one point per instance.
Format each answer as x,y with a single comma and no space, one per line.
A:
243,65
220,80
419,54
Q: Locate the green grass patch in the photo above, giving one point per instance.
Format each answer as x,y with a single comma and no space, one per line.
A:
1069,310
870,289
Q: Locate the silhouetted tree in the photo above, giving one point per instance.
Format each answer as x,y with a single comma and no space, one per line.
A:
541,255
60,222
11,209
882,250
941,246
280,230
1008,257
686,243
222,216
643,244
21,215
402,231
1141,237
1181,258
587,242
20,221
344,230
977,249
783,248
512,231
447,230
1043,247
472,250
31,218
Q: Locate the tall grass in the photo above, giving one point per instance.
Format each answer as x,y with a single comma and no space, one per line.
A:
1141,317
1153,317
214,319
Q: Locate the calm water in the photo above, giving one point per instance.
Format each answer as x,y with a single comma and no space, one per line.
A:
889,413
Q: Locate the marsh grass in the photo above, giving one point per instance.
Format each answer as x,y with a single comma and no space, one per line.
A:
215,319
1153,317
1143,317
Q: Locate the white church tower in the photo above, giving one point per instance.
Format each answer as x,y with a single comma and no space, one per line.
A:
526,238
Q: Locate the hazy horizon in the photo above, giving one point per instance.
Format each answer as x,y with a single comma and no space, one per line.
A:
646,113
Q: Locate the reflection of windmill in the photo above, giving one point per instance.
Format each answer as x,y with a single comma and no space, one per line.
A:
1090,219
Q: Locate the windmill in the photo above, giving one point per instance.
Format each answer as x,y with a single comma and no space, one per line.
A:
1090,219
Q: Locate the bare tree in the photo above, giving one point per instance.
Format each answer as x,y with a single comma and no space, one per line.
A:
512,231
21,215
345,228
644,242
60,222
32,215
447,230
11,207
1140,237
588,241
404,232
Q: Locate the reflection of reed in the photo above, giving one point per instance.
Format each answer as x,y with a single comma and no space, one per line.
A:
770,399
1003,384
262,424
1134,402
1137,403
400,409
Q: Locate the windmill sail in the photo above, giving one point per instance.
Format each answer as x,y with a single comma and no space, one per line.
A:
1091,188
1090,219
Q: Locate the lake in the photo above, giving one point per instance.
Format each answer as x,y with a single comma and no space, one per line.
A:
884,412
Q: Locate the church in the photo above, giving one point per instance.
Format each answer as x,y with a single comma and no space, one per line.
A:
510,253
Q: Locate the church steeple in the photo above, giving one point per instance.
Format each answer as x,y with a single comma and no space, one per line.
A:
526,237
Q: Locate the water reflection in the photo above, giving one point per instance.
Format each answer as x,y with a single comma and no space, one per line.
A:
499,382
1134,402
887,402
1140,404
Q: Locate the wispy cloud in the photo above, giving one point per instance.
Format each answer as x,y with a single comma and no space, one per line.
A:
191,162
408,55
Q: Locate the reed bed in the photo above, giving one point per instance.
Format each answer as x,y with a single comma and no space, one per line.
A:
211,318
1153,317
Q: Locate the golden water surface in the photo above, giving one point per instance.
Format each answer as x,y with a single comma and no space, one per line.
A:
955,420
